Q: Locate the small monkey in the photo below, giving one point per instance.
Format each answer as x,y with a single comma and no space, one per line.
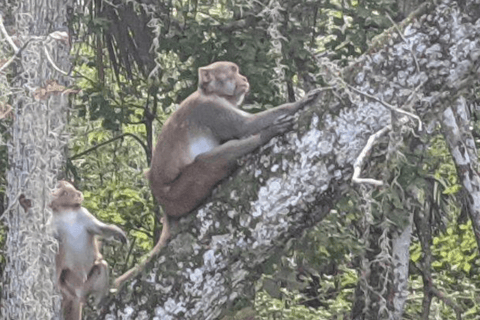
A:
80,268
201,141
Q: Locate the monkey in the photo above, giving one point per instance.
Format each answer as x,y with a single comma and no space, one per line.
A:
201,141
80,268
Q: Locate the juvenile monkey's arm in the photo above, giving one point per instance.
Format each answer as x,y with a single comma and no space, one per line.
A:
110,230
97,227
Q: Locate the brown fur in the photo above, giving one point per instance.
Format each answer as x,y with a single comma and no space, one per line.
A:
200,143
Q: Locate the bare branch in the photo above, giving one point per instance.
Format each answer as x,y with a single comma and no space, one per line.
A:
110,141
357,166
53,63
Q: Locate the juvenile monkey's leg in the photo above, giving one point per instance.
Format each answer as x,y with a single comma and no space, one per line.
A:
71,309
70,283
97,281
64,287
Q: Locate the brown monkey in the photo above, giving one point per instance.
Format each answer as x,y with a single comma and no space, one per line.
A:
80,267
201,141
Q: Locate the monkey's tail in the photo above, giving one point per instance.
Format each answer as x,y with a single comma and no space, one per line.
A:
162,242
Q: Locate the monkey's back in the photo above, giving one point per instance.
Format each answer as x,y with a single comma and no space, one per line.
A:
185,166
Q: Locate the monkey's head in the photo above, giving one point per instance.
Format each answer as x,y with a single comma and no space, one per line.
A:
65,197
223,79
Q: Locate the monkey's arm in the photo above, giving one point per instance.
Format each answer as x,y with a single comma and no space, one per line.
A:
97,227
265,119
228,122
224,120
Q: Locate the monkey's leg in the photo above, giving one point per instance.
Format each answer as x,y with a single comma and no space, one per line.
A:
71,308
199,178
97,281
64,286
70,283
197,181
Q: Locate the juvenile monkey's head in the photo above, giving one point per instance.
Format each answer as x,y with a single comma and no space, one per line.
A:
66,197
224,80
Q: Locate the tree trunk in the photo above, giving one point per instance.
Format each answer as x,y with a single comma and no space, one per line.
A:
35,149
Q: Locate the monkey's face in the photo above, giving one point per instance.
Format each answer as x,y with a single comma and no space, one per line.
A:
66,196
224,80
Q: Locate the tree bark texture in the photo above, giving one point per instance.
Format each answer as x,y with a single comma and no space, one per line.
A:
35,149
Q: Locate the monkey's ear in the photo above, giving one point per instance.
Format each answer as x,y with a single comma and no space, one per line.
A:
205,76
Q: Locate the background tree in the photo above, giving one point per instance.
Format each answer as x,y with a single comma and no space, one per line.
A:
33,103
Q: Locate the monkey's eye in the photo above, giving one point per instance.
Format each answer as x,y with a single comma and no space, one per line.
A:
234,69
64,193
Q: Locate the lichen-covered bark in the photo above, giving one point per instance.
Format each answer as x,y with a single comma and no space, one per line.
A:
290,184
35,155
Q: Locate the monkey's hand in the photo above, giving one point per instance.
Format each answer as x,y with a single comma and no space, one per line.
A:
122,237
119,235
281,125
309,97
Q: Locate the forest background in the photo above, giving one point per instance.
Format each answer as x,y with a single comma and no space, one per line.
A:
133,62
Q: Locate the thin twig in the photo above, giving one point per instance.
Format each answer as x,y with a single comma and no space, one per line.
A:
109,141
387,105
6,64
449,302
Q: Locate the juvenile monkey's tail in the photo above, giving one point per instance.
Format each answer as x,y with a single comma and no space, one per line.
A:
162,242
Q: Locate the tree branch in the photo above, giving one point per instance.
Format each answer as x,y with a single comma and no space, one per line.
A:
81,154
